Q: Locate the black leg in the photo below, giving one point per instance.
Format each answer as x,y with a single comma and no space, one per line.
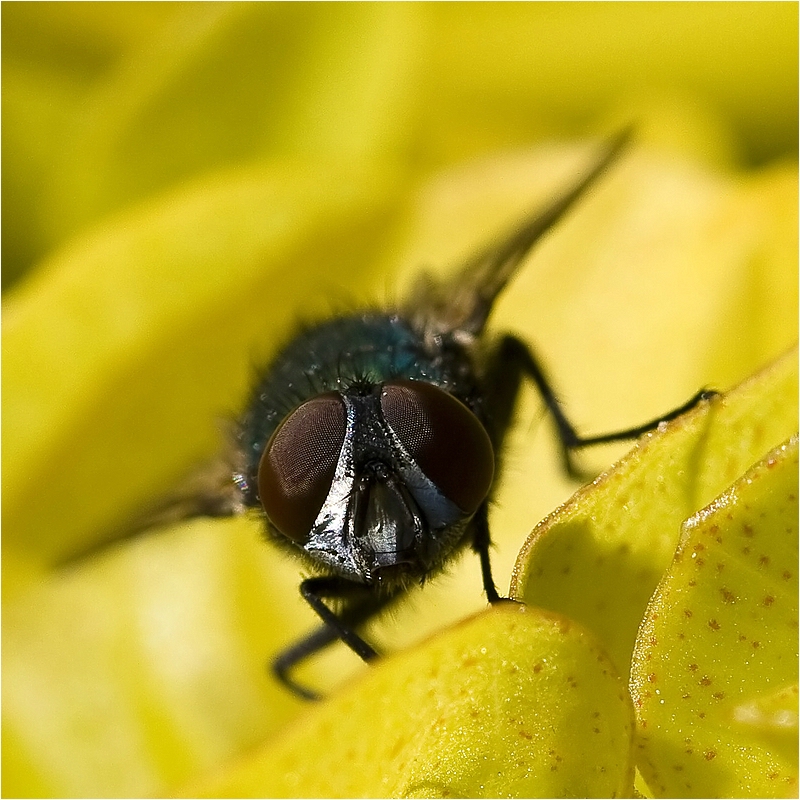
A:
363,603
481,544
283,663
502,380
367,604
514,352
633,433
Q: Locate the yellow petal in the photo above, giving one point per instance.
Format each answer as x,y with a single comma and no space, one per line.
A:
512,703
599,558
714,676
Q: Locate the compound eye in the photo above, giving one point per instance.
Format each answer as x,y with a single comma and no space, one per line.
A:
444,437
299,462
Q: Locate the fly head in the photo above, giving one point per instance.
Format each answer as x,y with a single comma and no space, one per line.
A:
377,483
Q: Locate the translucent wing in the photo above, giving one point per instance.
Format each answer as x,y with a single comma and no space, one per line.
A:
207,491
463,304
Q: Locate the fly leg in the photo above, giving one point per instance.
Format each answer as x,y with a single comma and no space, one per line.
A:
363,604
514,352
480,544
510,363
502,381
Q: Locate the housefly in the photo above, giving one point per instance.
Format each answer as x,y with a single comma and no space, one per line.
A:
371,442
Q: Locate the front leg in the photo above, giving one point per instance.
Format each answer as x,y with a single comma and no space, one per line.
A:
481,543
363,604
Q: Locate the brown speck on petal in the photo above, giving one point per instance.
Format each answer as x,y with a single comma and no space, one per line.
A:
727,595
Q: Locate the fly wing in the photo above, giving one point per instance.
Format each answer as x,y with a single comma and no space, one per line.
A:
207,491
463,304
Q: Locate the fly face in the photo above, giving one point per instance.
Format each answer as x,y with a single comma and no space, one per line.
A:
376,482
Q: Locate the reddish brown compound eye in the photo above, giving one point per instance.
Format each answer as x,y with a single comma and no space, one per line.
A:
444,437
299,462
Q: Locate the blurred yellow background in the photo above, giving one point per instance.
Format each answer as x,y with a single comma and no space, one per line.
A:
105,104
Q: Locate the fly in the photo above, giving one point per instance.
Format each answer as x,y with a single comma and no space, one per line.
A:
370,444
